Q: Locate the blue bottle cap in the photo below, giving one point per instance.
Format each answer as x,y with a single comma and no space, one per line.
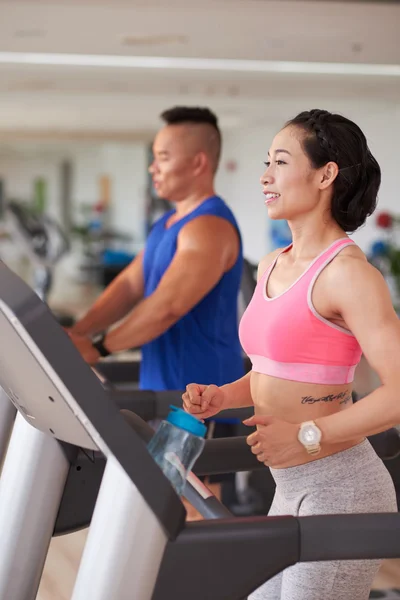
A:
184,420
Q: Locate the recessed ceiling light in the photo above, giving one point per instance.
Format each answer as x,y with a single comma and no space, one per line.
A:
199,64
30,33
34,85
357,47
154,40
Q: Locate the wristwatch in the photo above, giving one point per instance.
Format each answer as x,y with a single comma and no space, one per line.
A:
310,436
98,343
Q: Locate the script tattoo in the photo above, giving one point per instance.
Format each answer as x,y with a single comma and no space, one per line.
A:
343,397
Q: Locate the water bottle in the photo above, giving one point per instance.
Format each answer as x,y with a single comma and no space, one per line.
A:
177,444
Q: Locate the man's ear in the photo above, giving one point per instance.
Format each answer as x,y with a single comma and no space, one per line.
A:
200,162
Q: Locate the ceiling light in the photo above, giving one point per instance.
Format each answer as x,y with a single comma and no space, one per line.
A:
199,64
29,33
154,40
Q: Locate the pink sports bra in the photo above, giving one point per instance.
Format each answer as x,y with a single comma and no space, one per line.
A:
285,337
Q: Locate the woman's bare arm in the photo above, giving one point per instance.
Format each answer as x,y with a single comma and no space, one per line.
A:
363,300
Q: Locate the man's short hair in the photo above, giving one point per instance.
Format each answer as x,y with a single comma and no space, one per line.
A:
196,115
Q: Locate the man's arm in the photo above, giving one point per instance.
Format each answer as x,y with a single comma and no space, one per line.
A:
116,301
207,247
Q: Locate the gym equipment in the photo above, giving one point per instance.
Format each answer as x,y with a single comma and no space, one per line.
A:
222,455
7,418
62,406
43,241
49,428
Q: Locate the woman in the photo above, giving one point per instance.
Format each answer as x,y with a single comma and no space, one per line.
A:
317,307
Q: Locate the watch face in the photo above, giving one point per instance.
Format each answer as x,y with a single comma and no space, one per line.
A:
310,434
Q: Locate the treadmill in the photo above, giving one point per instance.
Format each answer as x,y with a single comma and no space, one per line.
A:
139,546
45,244
120,377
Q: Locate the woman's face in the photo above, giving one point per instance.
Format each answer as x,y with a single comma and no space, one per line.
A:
290,183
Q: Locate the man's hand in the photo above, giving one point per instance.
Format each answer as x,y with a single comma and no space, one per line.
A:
84,345
275,442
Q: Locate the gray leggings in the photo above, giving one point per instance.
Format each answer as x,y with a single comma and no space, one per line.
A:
351,481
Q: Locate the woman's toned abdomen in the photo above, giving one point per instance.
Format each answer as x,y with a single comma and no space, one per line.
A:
298,402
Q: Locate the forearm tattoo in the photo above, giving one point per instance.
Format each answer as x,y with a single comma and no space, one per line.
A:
343,397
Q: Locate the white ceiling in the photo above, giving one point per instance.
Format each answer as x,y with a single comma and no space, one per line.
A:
257,29
126,102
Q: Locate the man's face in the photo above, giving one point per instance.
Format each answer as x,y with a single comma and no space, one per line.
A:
173,166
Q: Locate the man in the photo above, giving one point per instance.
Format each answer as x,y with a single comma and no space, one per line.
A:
177,300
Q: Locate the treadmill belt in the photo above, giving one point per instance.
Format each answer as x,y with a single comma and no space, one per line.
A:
385,594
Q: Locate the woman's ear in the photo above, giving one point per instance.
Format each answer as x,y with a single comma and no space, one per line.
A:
329,172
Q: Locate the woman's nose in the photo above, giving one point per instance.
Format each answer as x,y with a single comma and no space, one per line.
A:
266,177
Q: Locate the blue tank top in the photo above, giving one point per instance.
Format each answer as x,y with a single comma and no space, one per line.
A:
203,346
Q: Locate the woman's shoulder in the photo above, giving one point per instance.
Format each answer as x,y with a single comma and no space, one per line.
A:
350,256
356,289
352,250
266,261
351,265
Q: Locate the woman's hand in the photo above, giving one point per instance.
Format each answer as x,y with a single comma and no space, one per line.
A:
275,441
203,400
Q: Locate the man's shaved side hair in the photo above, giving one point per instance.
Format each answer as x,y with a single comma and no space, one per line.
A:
204,123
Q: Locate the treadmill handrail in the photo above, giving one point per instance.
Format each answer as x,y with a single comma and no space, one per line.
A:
219,455
242,553
346,537
150,404
246,552
63,359
195,492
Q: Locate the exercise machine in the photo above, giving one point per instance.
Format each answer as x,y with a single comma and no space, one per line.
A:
138,545
44,243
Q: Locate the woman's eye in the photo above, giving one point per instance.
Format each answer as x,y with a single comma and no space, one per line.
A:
280,162
267,164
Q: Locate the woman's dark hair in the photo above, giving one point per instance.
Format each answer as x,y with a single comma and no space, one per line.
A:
330,137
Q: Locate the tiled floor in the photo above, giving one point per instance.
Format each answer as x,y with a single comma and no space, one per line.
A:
61,567
389,575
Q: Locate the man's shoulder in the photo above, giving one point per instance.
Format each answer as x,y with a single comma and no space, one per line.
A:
207,226
162,219
214,214
217,206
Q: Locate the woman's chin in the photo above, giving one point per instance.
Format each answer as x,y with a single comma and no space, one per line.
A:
275,214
